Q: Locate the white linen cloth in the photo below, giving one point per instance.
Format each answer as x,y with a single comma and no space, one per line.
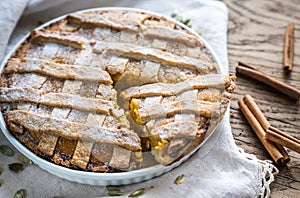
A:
218,169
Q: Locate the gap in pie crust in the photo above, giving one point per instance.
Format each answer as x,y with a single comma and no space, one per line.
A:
110,91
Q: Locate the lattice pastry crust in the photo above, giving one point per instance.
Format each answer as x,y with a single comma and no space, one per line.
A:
97,90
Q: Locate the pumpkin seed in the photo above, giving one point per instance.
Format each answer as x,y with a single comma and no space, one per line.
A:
20,194
1,170
6,150
24,159
115,193
179,179
137,192
113,188
16,167
1,182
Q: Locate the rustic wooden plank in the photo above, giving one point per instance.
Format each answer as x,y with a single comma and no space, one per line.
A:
256,36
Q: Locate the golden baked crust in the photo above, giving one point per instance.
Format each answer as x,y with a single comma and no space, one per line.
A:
95,89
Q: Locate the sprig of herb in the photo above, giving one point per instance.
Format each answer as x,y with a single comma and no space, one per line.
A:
179,18
184,21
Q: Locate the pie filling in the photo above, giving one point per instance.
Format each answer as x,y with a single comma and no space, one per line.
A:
100,90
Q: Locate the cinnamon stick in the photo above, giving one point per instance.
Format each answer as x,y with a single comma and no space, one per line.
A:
256,111
251,72
288,50
277,156
284,134
286,158
284,139
271,132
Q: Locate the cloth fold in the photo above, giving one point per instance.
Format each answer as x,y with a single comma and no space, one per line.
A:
218,169
8,19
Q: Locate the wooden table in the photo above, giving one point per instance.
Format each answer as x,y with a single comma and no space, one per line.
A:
256,35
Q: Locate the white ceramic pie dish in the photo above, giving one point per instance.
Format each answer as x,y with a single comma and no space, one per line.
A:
93,178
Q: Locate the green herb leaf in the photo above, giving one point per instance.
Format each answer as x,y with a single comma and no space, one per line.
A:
189,24
1,170
1,182
6,150
179,18
186,21
137,192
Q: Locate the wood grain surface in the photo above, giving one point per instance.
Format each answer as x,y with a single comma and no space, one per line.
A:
256,36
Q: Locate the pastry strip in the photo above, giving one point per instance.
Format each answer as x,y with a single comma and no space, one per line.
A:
165,89
176,129
171,34
62,38
150,72
82,153
55,99
117,65
143,113
120,158
140,53
92,20
45,124
50,68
